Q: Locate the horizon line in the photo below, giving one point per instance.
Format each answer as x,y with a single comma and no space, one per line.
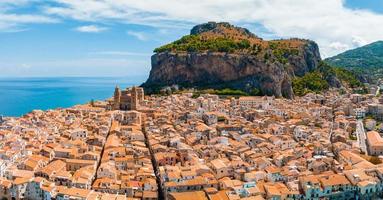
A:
80,76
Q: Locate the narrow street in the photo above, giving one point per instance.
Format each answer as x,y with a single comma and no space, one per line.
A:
361,136
102,153
161,195
332,124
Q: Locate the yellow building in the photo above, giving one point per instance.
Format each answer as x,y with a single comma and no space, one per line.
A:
375,143
128,99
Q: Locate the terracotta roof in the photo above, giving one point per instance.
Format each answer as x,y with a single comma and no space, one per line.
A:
73,192
197,195
333,180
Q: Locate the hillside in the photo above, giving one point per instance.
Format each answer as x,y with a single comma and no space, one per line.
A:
226,38
366,60
325,77
222,56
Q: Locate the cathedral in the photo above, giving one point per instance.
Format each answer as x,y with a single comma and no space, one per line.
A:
128,99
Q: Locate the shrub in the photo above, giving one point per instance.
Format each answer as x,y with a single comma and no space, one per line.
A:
311,82
195,43
316,81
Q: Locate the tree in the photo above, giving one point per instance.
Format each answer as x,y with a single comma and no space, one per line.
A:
310,82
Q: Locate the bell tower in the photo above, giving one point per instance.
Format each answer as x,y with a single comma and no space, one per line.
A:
117,98
134,100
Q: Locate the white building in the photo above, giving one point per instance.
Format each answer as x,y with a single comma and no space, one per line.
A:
79,134
360,113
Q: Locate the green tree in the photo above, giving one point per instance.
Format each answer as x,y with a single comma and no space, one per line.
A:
311,82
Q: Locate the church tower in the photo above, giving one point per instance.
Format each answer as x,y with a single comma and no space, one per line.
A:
117,97
134,100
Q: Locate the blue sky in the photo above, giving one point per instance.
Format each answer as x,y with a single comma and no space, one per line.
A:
117,37
373,5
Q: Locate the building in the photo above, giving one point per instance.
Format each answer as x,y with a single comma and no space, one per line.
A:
198,195
376,110
252,101
220,168
79,134
210,118
356,98
370,124
375,143
360,113
128,99
128,117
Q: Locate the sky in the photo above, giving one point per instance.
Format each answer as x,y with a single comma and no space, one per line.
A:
45,38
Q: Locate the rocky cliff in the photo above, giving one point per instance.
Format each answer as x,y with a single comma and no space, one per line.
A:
219,55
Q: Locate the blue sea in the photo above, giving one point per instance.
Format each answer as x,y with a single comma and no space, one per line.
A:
19,96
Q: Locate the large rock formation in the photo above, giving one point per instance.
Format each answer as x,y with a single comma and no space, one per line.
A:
248,63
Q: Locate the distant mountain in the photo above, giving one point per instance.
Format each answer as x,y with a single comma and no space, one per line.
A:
367,60
367,56
220,55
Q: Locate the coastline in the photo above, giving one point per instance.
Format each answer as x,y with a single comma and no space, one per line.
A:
21,95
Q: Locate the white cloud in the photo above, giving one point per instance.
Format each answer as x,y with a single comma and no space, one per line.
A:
139,35
358,41
91,29
10,3
10,22
325,21
14,22
338,47
25,18
328,22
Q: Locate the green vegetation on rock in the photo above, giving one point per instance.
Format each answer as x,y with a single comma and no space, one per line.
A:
347,76
322,78
195,43
282,52
226,92
310,82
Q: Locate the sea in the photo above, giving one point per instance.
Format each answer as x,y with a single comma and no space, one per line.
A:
19,96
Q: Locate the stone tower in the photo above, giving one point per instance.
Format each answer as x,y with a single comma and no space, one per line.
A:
117,97
134,100
140,95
